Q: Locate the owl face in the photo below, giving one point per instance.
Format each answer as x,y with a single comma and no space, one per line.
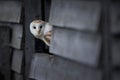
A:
36,27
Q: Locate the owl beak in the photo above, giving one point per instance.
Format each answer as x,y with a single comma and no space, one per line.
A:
39,31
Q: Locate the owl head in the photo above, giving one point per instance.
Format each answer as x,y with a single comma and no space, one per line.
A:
36,27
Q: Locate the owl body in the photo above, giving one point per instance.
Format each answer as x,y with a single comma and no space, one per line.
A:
41,30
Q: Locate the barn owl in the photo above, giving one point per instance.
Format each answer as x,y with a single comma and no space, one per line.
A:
41,30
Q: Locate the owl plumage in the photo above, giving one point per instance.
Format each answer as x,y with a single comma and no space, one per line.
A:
41,30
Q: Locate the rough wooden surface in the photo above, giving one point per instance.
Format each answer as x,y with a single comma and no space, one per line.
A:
116,75
115,18
5,53
17,36
10,11
32,11
17,61
75,45
17,76
116,52
49,67
75,14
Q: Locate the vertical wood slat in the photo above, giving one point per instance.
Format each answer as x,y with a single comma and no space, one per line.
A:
29,40
107,65
5,53
31,12
17,61
47,5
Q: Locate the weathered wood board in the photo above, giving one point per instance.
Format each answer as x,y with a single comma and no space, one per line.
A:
49,67
5,53
75,14
17,36
75,45
17,61
10,11
115,18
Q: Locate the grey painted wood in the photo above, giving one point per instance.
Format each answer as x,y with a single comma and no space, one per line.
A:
10,11
75,14
17,61
116,75
6,24
49,67
5,53
81,47
18,76
17,36
115,18
106,39
31,10
47,5
116,52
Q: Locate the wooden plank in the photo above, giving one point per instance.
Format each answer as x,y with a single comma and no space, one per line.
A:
116,75
17,36
17,61
49,67
75,45
75,14
106,36
31,11
17,76
47,4
10,11
5,53
115,18
116,52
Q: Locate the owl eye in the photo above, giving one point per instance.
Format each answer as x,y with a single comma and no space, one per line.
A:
34,27
40,26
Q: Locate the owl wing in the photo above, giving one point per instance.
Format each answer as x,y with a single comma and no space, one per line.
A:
47,33
47,28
